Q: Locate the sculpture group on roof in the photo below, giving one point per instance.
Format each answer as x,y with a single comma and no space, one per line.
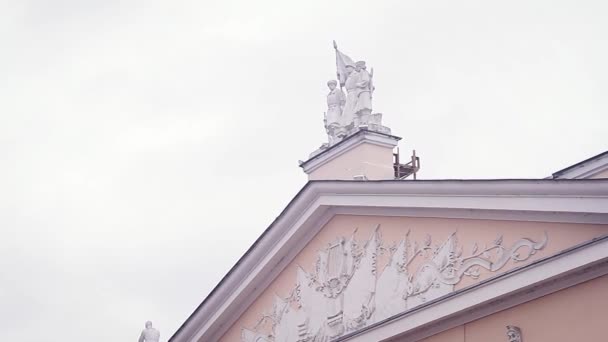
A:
347,113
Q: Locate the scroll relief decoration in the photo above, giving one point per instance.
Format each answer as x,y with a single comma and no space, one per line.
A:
344,293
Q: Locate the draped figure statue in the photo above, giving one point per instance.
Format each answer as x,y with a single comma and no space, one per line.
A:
333,117
358,83
363,105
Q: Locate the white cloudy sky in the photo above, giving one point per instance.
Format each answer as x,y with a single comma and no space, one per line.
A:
144,145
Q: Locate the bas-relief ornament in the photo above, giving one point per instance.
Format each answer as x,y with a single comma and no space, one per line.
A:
346,114
345,293
514,333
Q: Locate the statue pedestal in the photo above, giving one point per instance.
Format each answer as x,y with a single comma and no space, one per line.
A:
374,124
365,154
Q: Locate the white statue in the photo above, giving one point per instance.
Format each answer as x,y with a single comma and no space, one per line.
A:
352,91
333,117
149,334
358,83
364,88
346,114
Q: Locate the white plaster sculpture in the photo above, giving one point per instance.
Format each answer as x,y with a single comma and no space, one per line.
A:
348,113
427,285
311,320
394,280
345,292
359,304
358,83
149,334
333,117
363,106
514,333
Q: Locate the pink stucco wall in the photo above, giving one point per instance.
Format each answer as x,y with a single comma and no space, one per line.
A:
393,229
453,335
373,161
577,313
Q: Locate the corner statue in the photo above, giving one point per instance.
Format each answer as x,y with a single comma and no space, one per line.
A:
149,334
346,114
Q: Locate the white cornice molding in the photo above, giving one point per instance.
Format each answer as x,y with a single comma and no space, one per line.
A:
545,200
349,143
498,188
502,215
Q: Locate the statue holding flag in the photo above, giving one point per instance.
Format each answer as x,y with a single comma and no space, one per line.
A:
359,88
363,107
346,114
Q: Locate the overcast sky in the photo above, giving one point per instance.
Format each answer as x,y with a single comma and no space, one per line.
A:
144,145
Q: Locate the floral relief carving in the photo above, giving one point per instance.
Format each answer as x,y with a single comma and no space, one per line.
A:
345,291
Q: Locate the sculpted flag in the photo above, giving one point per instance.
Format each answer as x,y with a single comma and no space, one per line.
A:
342,61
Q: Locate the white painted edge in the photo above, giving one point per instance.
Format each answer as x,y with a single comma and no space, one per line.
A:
509,203
502,215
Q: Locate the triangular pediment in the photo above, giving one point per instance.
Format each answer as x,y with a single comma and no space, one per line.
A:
345,256
360,270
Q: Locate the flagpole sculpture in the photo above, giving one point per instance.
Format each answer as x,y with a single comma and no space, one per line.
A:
346,114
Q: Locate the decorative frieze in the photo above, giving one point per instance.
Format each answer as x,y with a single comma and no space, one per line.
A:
345,292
